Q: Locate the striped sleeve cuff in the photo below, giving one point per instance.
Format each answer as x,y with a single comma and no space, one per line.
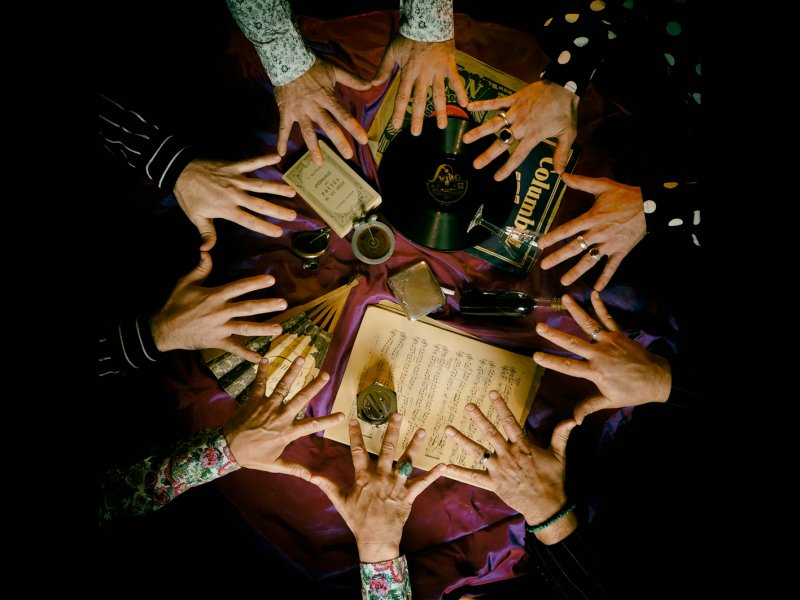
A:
128,346
167,161
427,20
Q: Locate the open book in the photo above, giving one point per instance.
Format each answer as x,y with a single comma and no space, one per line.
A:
436,371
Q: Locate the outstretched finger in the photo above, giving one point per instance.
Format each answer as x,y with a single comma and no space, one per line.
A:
389,443
290,467
358,451
564,340
566,230
561,364
582,318
490,432
311,425
516,158
260,383
507,419
473,476
281,390
419,484
465,442
493,104
602,312
413,447
558,441
307,393
253,164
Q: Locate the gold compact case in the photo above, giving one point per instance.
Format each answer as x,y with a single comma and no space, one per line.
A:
417,290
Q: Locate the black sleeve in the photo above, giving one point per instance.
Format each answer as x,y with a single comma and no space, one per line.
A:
159,156
568,569
126,346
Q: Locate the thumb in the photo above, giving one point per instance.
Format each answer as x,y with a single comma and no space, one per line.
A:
593,185
587,406
558,443
351,80
561,155
384,68
209,234
198,275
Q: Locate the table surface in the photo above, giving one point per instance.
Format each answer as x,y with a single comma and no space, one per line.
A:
457,534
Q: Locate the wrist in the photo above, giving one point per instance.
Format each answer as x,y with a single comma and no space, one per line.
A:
158,330
558,525
375,552
558,531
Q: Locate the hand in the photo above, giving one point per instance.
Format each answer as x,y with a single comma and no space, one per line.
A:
624,372
378,505
536,112
310,99
217,189
527,478
422,65
259,431
197,317
614,225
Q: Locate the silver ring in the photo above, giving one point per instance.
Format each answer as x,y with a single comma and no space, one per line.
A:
595,253
503,116
506,136
405,468
486,456
281,394
595,333
582,242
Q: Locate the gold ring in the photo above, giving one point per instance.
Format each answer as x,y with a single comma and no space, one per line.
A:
595,333
503,116
582,242
595,253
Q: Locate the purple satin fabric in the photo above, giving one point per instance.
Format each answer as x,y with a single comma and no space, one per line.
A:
457,534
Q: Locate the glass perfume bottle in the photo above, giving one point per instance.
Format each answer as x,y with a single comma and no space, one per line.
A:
503,304
518,243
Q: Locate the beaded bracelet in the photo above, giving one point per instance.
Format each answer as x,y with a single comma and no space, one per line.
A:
556,517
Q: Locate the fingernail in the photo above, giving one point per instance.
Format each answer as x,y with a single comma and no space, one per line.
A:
353,422
595,294
325,377
470,407
449,432
269,279
541,328
421,433
299,361
494,395
282,304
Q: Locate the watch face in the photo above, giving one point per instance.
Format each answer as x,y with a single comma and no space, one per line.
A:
311,244
373,242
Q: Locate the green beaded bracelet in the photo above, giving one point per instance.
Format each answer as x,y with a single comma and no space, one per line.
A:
556,517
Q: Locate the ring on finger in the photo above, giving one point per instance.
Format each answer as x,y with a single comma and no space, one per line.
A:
405,468
582,242
595,253
595,333
503,116
486,456
506,136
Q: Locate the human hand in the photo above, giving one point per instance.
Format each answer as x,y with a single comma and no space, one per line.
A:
527,478
625,373
536,112
310,99
422,65
259,431
614,225
196,317
217,189
379,502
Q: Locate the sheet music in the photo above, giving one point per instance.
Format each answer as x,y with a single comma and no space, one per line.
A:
436,373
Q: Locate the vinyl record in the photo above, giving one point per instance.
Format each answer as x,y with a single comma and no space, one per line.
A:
431,191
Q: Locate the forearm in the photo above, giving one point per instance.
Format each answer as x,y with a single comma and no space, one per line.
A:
126,346
387,579
271,27
427,20
153,482
126,134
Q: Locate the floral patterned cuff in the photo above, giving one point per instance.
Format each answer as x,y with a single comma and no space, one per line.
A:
273,31
153,482
427,20
388,579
